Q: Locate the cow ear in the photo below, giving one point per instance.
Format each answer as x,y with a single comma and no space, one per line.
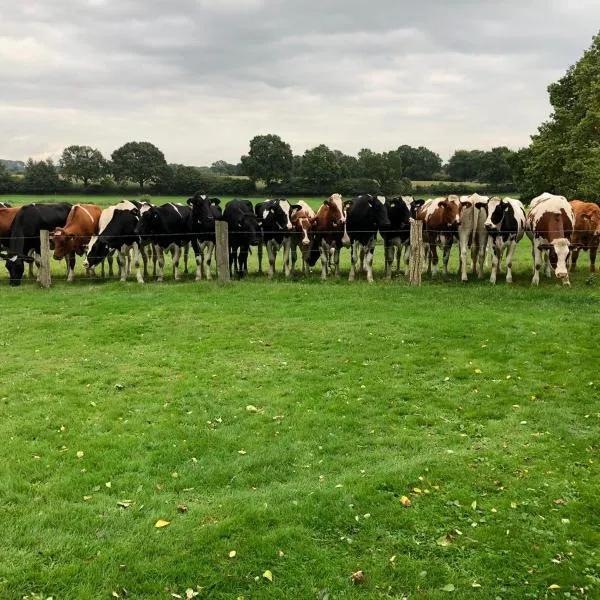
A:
347,204
544,246
480,205
294,208
215,201
443,204
467,204
586,217
326,202
190,201
419,202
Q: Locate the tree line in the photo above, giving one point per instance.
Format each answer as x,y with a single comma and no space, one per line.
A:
270,166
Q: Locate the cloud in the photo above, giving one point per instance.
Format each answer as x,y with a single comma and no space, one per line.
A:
200,78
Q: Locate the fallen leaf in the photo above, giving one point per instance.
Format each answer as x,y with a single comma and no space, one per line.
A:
173,595
125,503
232,553
115,595
190,593
554,586
405,501
87,497
268,575
79,454
392,558
449,587
242,452
161,523
474,505
477,371
513,505
108,484
559,501
182,508
281,554
357,577
445,540
417,490
475,585
251,408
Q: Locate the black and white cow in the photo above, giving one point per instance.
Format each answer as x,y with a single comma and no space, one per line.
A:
25,235
205,212
396,237
167,227
243,232
117,231
505,224
365,216
276,229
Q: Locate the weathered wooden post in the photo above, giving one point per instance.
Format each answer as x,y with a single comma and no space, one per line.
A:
45,279
415,265
222,251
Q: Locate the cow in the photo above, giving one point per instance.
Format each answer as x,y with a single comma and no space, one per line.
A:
586,231
7,217
116,230
25,235
441,218
168,228
72,239
396,237
472,233
505,224
366,215
302,217
550,223
205,212
329,226
276,227
243,233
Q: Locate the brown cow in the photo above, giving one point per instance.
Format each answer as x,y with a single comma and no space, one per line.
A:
7,216
549,227
586,231
441,218
329,225
72,239
301,216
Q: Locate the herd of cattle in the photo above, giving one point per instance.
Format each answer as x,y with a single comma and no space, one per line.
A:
139,231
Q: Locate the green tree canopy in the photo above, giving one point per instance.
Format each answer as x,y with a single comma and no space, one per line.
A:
82,163
385,167
141,162
320,166
41,177
420,164
564,156
269,159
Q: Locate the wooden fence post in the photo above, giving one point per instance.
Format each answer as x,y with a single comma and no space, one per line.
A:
415,265
45,279
222,251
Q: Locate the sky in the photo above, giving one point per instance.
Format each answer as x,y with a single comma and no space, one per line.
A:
200,78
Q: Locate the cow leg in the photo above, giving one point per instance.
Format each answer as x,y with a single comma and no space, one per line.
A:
483,243
139,256
512,246
389,259
109,258
272,248
336,259
176,254
260,256
447,248
294,255
243,261
547,265
161,263
353,260
70,260
122,263
287,242
208,252
186,255
574,257
369,259
593,252
324,259
463,244
537,263
496,258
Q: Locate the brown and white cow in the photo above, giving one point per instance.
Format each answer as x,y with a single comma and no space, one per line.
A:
472,233
329,226
441,218
302,217
586,231
72,239
549,226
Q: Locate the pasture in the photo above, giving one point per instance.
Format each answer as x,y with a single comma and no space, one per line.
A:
442,440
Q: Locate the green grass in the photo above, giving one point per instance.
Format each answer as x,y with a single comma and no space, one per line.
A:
478,403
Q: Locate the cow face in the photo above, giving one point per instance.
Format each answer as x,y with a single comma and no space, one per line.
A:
202,211
558,253
496,211
15,265
336,207
149,222
97,252
380,213
63,243
274,217
450,213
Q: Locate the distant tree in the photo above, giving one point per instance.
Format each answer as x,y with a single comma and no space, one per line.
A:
464,165
349,167
141,162
82,163
184,180
385,168
319,166
564,156
221,167
494,166
420,164
269,159
296,165
5,180
41,177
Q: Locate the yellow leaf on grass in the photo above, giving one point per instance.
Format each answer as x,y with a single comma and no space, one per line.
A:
242,452
477,371
79,454
474,505
268,575
554,586
232,553
87,497
417,490
251,408
445,540
405,501
161,523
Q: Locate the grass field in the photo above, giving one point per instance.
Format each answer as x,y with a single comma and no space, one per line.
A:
277,427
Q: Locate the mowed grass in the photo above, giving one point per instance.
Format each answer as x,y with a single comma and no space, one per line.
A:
285,422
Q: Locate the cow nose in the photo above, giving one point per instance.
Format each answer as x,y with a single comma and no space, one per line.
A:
86,264
490,226
561,274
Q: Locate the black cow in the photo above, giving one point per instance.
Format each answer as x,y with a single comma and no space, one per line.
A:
25,234
365,216
205,212
117,232
396,237
243,233
276,229
168,228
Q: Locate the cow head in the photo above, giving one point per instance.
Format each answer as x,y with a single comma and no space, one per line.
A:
203,209
379,212
97,251
558,253
15,265
496,209
450,212
275,215
63,243
149,222
336,207
302,223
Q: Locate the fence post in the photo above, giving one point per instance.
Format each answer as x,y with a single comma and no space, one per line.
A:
415,265
45,279
222,251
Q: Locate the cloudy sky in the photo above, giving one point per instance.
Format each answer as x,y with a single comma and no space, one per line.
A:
199,78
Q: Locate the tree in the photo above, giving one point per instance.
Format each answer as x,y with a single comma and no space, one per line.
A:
420,164
494,166
464,165
385,168
320,166
82,163
41,177
349,168
564,155
6,181
141,162
269,159
221,167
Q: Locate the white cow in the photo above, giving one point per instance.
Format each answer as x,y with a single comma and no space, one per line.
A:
472,233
